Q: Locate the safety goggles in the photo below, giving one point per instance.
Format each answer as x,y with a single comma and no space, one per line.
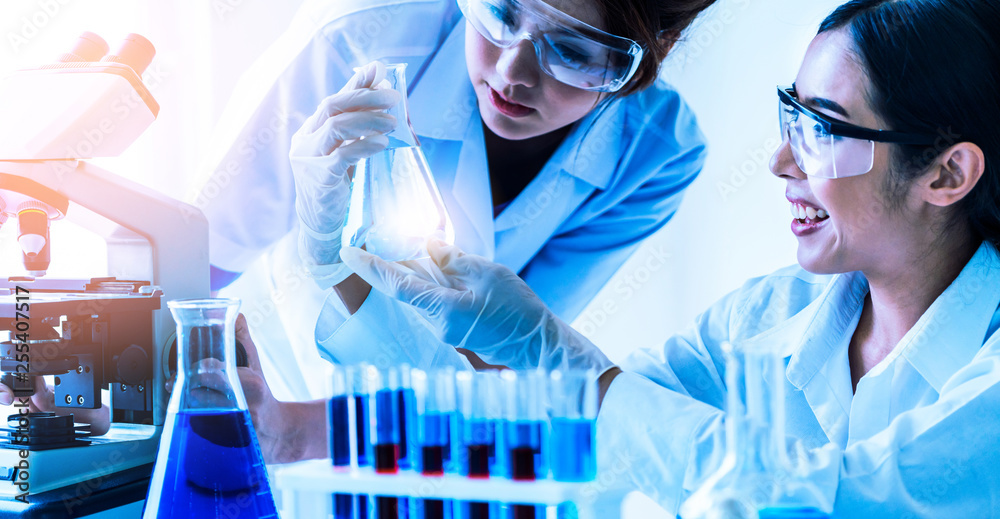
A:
569,50
828,148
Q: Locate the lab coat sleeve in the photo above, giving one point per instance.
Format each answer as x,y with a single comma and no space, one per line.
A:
664,422
574,265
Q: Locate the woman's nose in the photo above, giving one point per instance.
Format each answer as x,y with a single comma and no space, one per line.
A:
518,65
783,163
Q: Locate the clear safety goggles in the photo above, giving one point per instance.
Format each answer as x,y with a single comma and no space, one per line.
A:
828,148
569,50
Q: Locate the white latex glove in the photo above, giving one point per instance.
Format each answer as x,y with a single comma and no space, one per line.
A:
347,127
482,306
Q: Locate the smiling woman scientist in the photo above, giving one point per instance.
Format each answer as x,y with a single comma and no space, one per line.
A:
889,326
556,150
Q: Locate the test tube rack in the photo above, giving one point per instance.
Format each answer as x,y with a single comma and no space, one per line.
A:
307,486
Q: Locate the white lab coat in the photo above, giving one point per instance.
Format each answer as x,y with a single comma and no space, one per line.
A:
919,437
618,178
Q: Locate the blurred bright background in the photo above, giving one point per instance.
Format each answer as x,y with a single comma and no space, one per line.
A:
733,225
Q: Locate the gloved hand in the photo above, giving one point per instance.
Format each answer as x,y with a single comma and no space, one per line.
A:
479,305
347,127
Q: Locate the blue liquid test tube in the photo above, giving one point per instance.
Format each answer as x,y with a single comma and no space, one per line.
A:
435,407
573,396
362,380
409,451
338,416
524,433
386,438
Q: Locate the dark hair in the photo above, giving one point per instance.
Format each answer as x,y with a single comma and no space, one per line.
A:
934,68
654,24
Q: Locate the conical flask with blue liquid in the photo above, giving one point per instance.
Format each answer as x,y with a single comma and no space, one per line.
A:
395,204
209,463
757,478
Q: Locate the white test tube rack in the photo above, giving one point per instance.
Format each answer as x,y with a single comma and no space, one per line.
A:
307,488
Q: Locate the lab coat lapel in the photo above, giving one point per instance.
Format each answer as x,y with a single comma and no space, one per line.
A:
471,190
809,339
585,162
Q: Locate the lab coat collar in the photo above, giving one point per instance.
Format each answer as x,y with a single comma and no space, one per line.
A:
590,153
818,329
945,338
593,149
952,331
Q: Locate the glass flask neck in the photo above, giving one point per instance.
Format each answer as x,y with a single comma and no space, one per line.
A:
403,135
206,355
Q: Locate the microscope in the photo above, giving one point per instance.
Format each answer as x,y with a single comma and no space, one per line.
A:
103,340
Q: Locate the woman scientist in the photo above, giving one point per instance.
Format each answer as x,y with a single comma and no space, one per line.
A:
555,149
891,160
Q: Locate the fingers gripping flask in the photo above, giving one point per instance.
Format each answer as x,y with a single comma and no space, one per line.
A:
395,204
209,463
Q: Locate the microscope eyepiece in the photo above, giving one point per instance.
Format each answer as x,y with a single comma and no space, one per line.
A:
88,47
134,51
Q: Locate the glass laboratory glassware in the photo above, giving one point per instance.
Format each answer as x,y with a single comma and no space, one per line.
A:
338,415
757,480
362,379
395,204
209,463
386,436
434,394
524,435
573,453
480,410
408,451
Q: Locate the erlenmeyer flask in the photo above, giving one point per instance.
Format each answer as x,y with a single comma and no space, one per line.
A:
395,203
757,480
209,463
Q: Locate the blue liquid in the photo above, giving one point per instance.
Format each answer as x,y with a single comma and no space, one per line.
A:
497,455
793,513
572,448
214,468
436,430
340,432
386,417
343,506
340,451
364,439
408,451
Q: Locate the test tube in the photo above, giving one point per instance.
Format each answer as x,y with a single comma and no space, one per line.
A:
480,410
408,451
362,379
340,435
435,407
574,425
524,433
386,436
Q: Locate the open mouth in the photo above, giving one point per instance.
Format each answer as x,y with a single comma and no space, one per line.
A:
808,215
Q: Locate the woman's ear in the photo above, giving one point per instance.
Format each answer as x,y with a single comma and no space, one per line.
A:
953,175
